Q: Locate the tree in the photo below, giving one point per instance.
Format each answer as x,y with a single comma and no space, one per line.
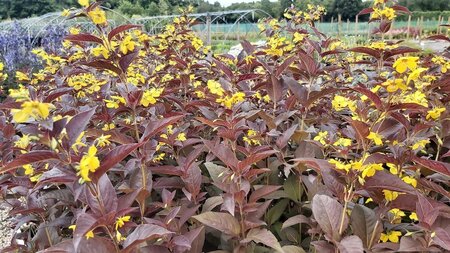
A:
153,9
164,7
347,8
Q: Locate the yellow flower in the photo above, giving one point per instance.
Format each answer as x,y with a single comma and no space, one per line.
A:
20,76
31,109
390,195
394,169
404,63
114,104
435,113
100,50
321,137
419,145
159,157
73,227
417,98
119,237
127,45
78,142
181,137
23,142
251,137
90,234
397,215
98,16
413,216
392,236
228,102
298,37
339,103
388,13
197,43
29,170
370,170
89,163
414,76
200,94
410,180
149,96
65,13
343,142
120,222
394,85
215,88
376,138
340,166
103,141
84,3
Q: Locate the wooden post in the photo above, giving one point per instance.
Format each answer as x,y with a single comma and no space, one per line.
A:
356,25
339,25
238,32
347,29
208,38
439,24
408,27
332,23
420,28
448,23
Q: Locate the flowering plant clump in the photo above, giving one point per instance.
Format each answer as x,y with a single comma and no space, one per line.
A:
130,142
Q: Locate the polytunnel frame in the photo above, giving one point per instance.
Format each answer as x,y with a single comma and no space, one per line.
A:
207,18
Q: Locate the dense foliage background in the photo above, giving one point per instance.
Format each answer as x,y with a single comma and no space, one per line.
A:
130,142
348,8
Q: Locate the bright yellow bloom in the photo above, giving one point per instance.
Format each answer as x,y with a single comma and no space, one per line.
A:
321,137
229,102
343,142
98,16
103,141
31,109
435,113
100,50
23,142
298,37
370,170
394,169
120,222
414,76
251,137
159,157
181,137
89,163
84,3
215,88
73,227
419,145
90,234
339,103
410,180
413,216
127,45
388,13
340,166
404,63
392,236
376,138
78,142
114,104
20,76
394,85
397,215
119,237
417,98
197,43
149,97
390,195
29,170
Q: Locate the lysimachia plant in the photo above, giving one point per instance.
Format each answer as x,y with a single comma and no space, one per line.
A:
130,142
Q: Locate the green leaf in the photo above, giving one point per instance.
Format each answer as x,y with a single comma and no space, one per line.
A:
276,211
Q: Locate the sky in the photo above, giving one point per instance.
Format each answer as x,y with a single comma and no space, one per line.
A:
229,2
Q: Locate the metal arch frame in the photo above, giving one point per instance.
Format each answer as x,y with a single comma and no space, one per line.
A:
244,16
202,17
